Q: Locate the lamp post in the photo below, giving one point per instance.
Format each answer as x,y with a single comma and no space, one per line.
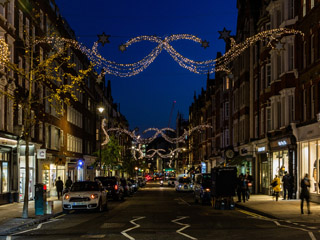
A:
101,110
136,168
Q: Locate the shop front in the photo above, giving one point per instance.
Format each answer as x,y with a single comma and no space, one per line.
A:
283,159
263,168
22,172
8,188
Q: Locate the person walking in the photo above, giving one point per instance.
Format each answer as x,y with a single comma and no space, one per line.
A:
241,188
68,183
276,186
59,187
286,186
305,184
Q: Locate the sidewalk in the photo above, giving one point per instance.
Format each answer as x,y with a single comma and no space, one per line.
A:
10,215
281,209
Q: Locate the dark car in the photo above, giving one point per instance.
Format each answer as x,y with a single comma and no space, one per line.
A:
126,188
135,185
202,188
114,187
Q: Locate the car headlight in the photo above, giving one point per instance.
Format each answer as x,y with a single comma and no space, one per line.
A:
191,185
94,196
207,190
180,185
66,197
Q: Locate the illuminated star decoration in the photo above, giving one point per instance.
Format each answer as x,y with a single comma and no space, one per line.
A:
103,38
100,76
4,2
279,46
204,44
122,47
224,34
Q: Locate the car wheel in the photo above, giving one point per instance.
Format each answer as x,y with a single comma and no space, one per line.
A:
66,211
100,206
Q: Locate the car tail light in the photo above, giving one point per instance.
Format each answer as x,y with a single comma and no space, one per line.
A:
94,196
66,196
115,187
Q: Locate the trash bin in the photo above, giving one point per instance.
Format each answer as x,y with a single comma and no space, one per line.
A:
39,198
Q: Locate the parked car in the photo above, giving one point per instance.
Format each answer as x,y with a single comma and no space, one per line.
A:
184,184
202,188
85,195
114,187
126,189
141,181
171,181
134,183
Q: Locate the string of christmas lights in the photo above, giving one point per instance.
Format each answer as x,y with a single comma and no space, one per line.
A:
140,140
127,70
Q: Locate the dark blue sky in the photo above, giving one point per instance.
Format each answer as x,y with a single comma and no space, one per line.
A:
146,99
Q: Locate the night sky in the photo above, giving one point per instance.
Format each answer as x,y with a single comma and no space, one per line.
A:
146,99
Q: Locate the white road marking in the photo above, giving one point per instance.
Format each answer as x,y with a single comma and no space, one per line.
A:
183,228
298,228
93,236
38,227
184,202
129,229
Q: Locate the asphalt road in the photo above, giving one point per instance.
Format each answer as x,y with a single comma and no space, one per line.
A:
162,213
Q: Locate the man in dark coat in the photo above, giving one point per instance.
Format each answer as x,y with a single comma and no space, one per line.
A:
286,186
305,184
59,187
68,182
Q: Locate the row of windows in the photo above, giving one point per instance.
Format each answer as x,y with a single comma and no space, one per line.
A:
74,144
74,117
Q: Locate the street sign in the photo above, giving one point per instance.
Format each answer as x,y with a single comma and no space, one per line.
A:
42,153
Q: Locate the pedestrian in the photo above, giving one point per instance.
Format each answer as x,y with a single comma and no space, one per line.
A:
68,183
59,187
305,184
286,186
276,186
241,188
249,180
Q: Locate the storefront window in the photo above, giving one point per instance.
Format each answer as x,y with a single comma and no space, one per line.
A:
5,177
50,174
304,159
313,167
280,163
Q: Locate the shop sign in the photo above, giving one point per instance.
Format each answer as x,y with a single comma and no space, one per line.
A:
282,143
42,153
261,149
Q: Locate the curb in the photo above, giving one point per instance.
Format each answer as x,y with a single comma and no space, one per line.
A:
31,223
255,211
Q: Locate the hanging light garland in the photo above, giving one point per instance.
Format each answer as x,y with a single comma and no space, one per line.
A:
128,70
4,52
162,132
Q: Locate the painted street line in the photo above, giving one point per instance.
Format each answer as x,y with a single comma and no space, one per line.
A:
38,227
129,229
253,214
184,202
183,228
297,228
93,236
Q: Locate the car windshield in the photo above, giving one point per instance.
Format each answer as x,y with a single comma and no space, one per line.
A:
84,186
107,181
184,180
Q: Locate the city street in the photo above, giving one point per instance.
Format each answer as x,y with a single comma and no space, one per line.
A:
156,212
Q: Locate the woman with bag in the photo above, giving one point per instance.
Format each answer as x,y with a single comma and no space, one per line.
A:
276,187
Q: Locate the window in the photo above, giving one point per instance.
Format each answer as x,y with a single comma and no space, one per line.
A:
279,70
32,127
226,137
283,110
2,111
226,110
256,128
311,4
27,31
20,66
312,48
313,96
262,121
9,115
262,78
268,119
41,20
304,100
291,9
41,131
268,75
20,114
20,22
256,89
291,108
304,11
290,57
304,55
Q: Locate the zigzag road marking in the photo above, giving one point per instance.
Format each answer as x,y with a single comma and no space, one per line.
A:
183,228
129,229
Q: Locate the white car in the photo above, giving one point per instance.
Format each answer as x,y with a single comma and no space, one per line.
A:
184,184
85,195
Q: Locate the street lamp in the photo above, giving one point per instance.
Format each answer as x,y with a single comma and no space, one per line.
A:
136,168
101,110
